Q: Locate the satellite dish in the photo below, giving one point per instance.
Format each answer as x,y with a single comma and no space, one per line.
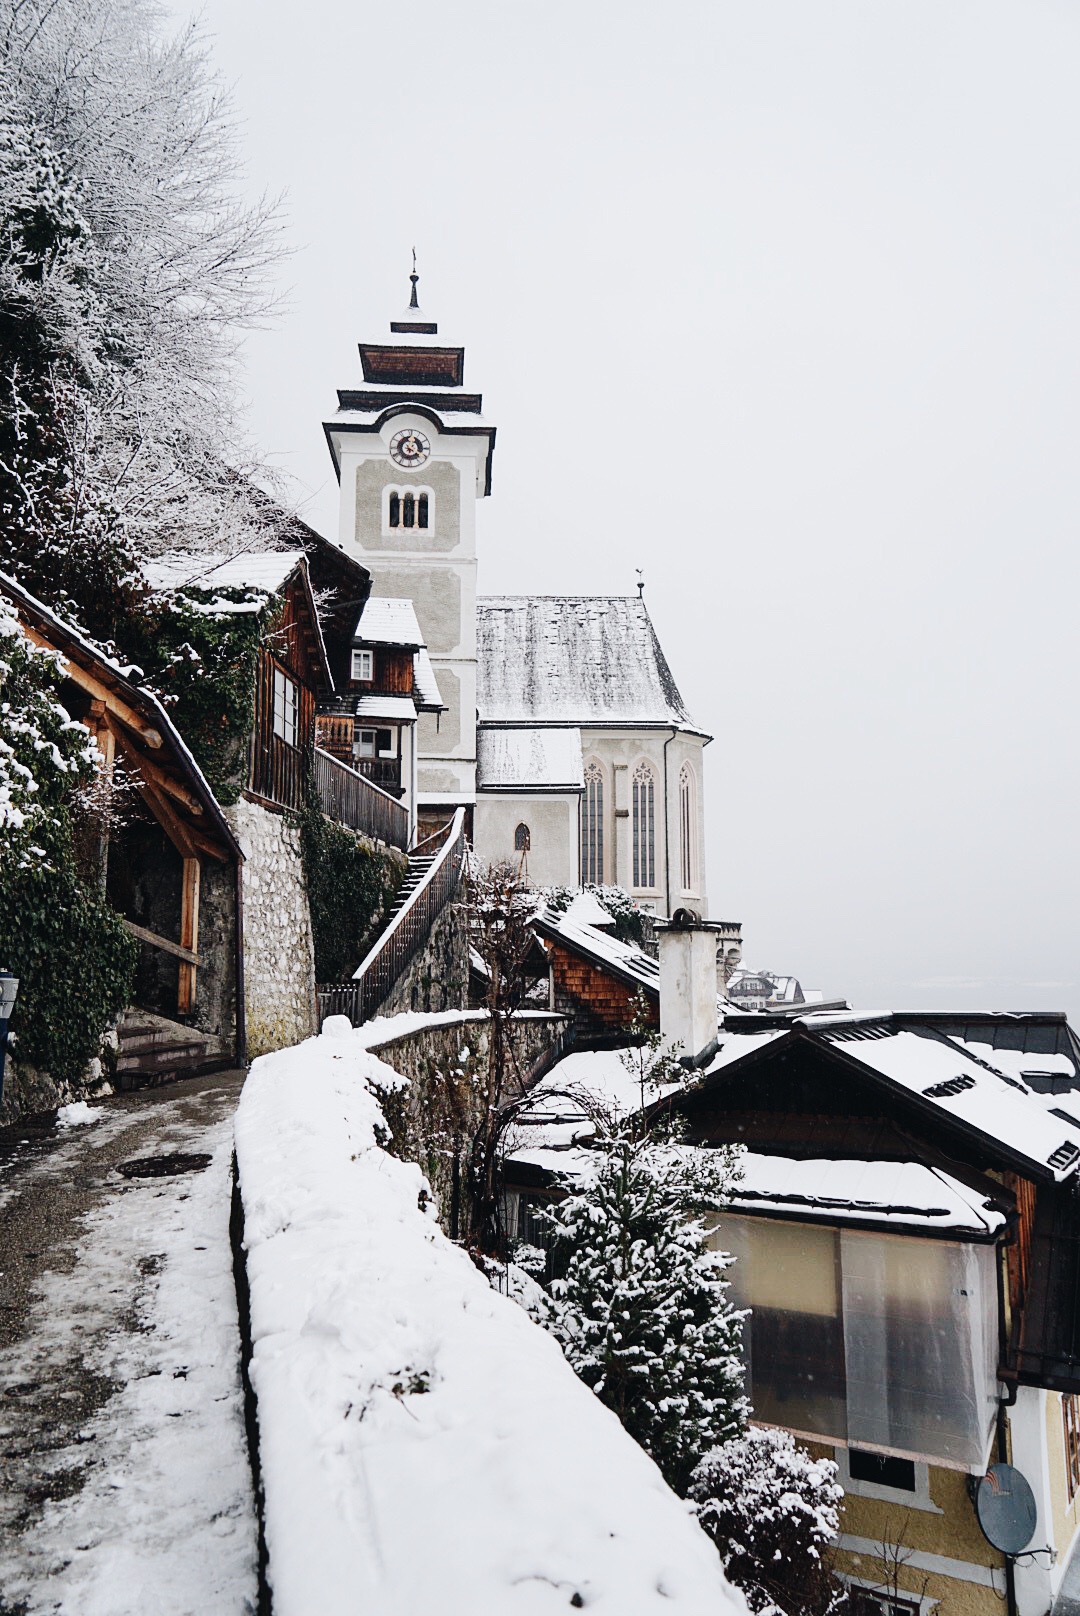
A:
1005,1505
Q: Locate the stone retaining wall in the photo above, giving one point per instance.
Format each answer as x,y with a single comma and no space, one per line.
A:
279,956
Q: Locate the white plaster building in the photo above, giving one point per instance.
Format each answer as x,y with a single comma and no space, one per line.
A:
561,724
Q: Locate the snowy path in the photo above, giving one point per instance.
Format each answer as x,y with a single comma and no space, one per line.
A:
124,1480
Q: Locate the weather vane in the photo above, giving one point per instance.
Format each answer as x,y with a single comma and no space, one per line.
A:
640,583
414,277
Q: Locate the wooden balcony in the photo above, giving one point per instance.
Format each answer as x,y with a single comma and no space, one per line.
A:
352,800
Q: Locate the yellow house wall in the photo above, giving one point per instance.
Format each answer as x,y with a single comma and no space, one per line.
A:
1064,1512
950,1530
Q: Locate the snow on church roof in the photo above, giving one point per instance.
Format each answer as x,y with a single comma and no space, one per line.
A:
536,759
573,660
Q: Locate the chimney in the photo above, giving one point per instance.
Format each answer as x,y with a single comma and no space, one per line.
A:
688,984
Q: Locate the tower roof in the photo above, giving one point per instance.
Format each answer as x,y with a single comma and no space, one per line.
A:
413,360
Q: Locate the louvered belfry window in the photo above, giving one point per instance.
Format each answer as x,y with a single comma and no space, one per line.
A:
592,826
644,826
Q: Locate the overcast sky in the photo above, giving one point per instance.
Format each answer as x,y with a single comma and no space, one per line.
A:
777,301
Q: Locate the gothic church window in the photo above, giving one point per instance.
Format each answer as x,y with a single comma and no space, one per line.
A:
522,838
592,826
644,826
687,817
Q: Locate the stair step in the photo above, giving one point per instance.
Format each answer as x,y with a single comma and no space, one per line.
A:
160,1056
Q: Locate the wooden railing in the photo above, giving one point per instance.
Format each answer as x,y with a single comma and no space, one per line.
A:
354,801
406,934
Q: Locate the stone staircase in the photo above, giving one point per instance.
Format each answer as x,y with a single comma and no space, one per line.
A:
419,865
154,1050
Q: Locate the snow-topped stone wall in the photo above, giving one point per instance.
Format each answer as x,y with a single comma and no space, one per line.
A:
424,1446
279,955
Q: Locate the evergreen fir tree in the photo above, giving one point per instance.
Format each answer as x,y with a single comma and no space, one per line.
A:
641,1306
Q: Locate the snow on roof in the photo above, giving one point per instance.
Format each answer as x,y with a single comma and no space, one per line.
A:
403,1402
891,1192
389,620
624,958
262,570
972,1091
394,709
585,909
425,685
530,759
573,659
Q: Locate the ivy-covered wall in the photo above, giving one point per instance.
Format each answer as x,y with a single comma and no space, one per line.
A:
351,886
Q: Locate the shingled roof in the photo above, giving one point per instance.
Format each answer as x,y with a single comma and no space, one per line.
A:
572,660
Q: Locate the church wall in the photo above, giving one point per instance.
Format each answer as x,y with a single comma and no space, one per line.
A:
553,824
619,752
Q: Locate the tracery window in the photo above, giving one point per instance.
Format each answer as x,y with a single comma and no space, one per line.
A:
408,507
592,826
522,838
644,826
687,818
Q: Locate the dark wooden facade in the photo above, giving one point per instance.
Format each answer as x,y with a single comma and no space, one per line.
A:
291,668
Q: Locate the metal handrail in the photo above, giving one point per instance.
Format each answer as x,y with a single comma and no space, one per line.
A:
375,978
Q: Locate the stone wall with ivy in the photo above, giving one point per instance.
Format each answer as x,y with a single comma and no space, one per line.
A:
351,884
279,955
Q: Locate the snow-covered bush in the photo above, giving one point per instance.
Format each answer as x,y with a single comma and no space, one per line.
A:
772,1511
631,923
641,1306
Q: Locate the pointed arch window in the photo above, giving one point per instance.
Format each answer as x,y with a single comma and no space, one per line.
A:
644,826
687,822
592,826
522,838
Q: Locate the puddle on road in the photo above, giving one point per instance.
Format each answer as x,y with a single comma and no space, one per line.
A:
165,1166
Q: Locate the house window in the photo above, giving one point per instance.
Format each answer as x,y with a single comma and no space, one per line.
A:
644,826
686,828
522,838
372,743
409,508
592,826
1070,1414
363,664
880,1341
286,715
874,1602
882,1469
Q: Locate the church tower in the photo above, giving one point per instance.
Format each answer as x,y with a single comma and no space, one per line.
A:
413,455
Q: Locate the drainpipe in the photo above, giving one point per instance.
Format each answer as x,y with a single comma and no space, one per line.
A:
412,784
667,828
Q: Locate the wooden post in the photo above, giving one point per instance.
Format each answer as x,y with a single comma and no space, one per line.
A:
189,935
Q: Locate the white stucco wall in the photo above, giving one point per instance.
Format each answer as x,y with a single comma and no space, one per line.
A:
553,823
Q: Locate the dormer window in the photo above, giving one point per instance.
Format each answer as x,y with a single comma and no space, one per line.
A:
363,665
409,508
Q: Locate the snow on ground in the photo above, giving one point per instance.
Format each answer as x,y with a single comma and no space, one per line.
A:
161,1521
78,1114
425,1446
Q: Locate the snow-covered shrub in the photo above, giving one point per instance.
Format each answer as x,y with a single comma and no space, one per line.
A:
772,1511
642,1309
631,923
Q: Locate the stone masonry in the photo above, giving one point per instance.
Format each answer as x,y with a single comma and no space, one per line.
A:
279,955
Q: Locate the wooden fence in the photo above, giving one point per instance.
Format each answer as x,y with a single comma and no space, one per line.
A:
354,801
407,933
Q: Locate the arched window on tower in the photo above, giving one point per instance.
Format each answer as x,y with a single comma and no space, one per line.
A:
394,518
408,511
687,818
421,510
522,838
592,826
644,826
408,508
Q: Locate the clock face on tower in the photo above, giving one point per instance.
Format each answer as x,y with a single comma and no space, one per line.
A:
409,448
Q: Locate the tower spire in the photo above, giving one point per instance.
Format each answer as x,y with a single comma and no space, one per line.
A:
414,277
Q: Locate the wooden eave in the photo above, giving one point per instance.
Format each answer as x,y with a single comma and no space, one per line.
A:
169,781
596,961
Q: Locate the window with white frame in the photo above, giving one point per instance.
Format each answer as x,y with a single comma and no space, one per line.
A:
363,665
376,743
411,508
592,826
286,714
644,826
687,817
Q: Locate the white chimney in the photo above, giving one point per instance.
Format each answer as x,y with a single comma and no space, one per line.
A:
688,984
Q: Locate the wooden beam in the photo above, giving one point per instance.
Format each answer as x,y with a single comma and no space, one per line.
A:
99,691
145,936
189,935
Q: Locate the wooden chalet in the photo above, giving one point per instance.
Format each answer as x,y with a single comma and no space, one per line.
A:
169,861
